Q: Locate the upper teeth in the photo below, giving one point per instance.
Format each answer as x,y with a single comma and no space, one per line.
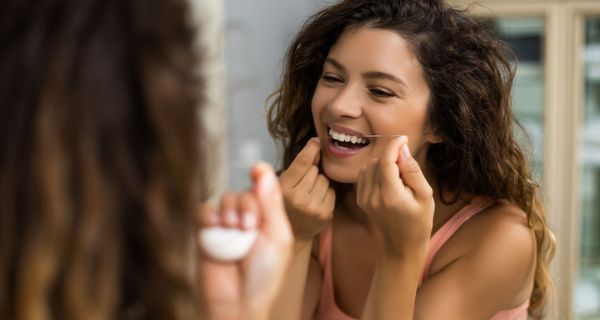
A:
346,137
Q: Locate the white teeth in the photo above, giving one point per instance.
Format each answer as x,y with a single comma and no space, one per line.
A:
347,138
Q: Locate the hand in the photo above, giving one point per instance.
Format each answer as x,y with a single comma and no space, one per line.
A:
309,200
394,193
246,289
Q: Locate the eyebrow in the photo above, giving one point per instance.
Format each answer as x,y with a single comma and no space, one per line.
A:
383,75
370,74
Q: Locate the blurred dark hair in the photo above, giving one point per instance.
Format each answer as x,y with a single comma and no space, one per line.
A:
99,159
470,74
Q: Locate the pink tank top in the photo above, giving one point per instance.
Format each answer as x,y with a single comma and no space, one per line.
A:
327,309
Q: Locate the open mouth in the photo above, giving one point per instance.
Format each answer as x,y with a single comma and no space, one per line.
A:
347,141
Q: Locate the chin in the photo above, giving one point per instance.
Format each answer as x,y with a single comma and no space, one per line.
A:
340,174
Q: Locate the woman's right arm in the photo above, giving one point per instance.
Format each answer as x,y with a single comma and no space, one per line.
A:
309,203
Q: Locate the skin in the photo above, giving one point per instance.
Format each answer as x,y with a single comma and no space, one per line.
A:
487,266
246,289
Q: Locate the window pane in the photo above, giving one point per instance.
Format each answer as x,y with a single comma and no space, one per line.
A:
525,35
587,292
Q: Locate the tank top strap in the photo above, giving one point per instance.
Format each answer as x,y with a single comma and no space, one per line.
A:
518,313
325,245
441,236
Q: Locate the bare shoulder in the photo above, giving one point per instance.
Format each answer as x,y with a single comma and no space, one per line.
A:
487,266
501,229
499,243
504,227
494,251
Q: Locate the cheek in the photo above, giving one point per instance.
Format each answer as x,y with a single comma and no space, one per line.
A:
398,121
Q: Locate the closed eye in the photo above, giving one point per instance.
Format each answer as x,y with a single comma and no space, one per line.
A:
380,93
331,79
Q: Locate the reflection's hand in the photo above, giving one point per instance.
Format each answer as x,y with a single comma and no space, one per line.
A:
246,289
308,198
395,193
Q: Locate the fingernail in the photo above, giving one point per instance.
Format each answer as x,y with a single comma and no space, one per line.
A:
266,184
403,139
316,139
249,220
230,217
405,151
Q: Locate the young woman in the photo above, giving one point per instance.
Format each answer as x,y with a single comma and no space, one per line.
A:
414,200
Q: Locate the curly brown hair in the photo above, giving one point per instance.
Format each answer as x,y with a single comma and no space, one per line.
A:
98,132
469,72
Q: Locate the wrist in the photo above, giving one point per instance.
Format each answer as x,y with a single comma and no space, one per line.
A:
258,313
404,253
301,245
224,312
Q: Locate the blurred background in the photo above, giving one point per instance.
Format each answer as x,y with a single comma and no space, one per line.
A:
556,98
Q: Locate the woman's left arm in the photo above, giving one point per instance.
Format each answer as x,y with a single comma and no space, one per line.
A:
393,191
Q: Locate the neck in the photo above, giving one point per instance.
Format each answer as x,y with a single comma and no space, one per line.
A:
352,212
443,212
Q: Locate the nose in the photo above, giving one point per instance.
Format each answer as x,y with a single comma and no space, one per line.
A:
347,103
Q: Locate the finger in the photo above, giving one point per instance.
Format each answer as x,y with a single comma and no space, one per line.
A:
318,195
274,223
307,183
319,190
389,173
329,200
374,193
249,211
390,186
207,216
228,210
370,180
412,176
308,157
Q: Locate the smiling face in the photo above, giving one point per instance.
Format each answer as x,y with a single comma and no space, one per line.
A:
371,85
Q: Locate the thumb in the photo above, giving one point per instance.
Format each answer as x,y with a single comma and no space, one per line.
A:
411,174
317,158
275,223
